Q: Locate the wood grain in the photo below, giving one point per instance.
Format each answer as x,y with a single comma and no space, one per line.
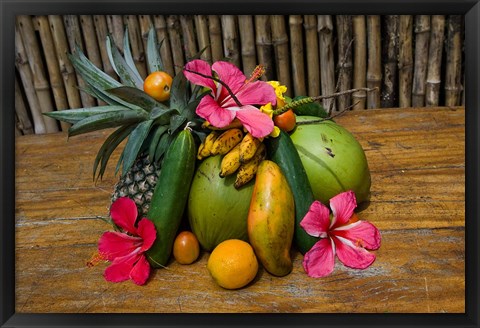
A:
417,162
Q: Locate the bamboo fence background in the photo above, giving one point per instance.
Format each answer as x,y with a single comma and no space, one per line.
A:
414,61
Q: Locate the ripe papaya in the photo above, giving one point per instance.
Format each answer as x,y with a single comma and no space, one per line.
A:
271,219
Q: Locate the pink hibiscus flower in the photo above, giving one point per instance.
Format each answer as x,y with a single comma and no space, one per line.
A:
232,96
345,236
126,250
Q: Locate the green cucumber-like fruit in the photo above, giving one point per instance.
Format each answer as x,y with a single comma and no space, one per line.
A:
170,196
282,151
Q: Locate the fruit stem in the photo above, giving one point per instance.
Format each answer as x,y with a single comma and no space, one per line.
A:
309,100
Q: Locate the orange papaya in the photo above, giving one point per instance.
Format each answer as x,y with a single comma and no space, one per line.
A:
271,219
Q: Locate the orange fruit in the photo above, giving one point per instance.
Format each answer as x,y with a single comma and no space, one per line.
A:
186,248
233,264
285,121
157,85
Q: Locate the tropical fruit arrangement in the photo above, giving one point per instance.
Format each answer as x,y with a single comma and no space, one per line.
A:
215,161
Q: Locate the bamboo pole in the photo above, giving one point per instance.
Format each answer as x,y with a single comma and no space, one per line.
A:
311,46
263,42
359,61
422,42
405,61
390,58
116,28
165,50
435,61
24,123
136,44
39,75
296,49
216,42
327,61
453,87
101,30
247,41
374,66
173,26
90,40
91,46
23,68
344,65
145,23
188,36
203,37
66,67
56,79
231,48
281,50
74,37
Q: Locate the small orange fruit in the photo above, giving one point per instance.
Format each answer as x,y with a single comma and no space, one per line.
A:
233,264
157,85
285,121
186,248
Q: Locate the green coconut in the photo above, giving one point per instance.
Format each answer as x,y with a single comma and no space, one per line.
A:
216,210
333,159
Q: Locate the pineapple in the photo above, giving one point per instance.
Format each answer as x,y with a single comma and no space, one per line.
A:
148,125
138,184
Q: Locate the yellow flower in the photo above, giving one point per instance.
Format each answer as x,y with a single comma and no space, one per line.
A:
267,109
279,91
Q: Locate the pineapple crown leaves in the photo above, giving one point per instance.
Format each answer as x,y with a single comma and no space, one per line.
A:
148,125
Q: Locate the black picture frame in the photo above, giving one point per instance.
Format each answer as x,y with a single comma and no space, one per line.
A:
10,8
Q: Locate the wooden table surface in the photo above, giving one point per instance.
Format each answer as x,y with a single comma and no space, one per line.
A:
417,161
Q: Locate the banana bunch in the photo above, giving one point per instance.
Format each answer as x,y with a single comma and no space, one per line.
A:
241,153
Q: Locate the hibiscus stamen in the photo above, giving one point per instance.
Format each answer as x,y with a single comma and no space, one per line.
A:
256,74
95,259
230,92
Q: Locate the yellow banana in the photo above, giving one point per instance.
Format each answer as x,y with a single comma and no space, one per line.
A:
248,147
226,141
205,148
247,170
230,162
199,152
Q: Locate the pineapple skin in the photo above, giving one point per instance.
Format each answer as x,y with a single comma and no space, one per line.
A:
138,184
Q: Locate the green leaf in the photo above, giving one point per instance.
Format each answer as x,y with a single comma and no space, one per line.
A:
176,121
159,131
312,109
163,145
96,78
154,60
136,97
134,143
75,115
199,54
189,110
162,115
127,75
129,58
99,95
178,93
110,144
106,120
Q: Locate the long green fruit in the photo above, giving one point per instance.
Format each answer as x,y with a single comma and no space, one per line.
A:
282,151
170,196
